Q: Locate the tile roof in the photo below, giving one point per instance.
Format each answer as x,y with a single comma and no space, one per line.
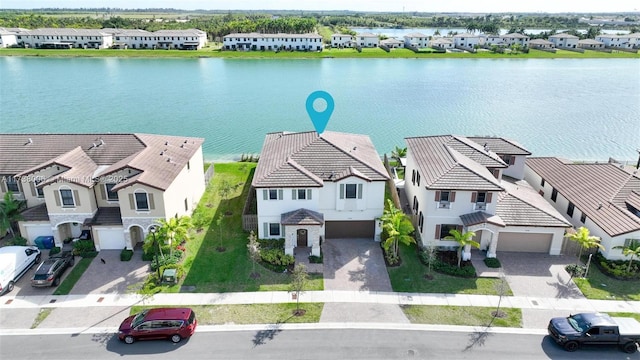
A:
106,216
521,205
444,165
415,34
179,32
36,213
308,159
302,217
158,158
500,145
442,41
65,32
367,35
278,35
391,41
600,191
78,168
590,41
633,200
515,36
481,217
540,42
563,35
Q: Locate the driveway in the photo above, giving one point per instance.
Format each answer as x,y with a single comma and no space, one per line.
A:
112,276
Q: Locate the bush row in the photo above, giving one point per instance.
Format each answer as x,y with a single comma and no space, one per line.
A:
466,270
618,268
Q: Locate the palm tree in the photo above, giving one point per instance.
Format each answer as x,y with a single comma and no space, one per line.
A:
585,240
463,239
398,227
175,229
398,153
9,213
632,249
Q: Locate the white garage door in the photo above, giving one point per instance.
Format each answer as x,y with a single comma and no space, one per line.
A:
524,242
110,239
33,231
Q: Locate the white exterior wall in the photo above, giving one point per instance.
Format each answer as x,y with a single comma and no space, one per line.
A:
7,40
617,41
466,41
516,170
272,42
419,42
270,211
35,41
564,42
189,185
341,40
368,41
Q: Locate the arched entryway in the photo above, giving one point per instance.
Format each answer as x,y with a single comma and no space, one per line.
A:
137,236
302,236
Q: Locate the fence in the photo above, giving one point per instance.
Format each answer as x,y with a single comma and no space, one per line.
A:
249,212
208,174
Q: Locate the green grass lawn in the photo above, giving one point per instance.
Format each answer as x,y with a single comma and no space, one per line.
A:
623,314
251,313
65,287
461,315
409,277
601,287
210,270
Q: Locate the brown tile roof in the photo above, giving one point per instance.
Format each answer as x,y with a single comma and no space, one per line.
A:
36,213
480,217
308,159
78,168
500,145
302,217
521,205
23,153
106,216
633,200
598,190
443,167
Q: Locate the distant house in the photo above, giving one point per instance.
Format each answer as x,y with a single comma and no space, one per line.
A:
590,44
604,198
392,43
189,39
7,38
455,182
628,41
367,40
466,41
65,38
256,41
441,43
564,41
507,40
341,40
112,186
417,40
311,186
541,44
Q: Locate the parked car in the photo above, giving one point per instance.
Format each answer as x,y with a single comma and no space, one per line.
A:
15,261
595,329
50,271
161,323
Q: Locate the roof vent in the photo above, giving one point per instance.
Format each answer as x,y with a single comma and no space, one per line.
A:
355,148
102,142
29,141
162,153
166,143
599,206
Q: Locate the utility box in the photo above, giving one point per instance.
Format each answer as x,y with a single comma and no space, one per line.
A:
169,276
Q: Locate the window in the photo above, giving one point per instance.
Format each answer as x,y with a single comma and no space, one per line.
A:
443,230
418,178
142,202
413,176
350,191
508,159
583,217
301,194
274,229
416,205
273,194
39,190
542,182
444,196
627,242
554,194
481,197
420,221
12,184
444,199
111,195
66,196
570,209
186,204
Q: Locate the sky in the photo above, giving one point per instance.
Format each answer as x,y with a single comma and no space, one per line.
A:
474,6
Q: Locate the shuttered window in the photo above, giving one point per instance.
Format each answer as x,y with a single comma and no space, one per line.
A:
66,197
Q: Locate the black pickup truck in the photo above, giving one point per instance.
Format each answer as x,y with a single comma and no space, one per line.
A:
595,329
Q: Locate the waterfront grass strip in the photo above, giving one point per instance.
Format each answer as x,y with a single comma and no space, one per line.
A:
65,287
462,315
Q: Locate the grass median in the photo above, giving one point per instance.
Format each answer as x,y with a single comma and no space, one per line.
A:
462,315
65,287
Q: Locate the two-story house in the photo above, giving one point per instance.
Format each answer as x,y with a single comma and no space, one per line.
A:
367,40
564,41
342,40
603,197
454,182
113,185
311,186
416,39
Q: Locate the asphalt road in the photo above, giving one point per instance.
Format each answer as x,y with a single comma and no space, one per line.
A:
303,344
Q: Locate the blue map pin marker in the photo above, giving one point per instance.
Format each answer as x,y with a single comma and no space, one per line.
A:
320,118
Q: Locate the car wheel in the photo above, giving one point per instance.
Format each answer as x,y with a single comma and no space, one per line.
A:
56,281
630,347
129,339
571,346
176,338
72,262
38,258
10,287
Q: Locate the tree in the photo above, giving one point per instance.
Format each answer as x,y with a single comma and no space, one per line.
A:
175,229
632,249
254,252
219,222
585,240
398,227
9,213
397,153
299,279
463,239
224,189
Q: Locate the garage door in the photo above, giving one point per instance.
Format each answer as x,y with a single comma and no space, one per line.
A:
524,242
110,239
33,231
349,229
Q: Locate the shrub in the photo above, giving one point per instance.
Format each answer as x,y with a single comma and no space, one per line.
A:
315,259
266,244
84,248
492,262
18,240
126,255
575,270
276,259
618,268
166,260
466,270
54,250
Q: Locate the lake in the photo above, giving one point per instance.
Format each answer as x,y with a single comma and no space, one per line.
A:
585,109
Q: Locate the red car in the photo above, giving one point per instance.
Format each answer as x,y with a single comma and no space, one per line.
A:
162,323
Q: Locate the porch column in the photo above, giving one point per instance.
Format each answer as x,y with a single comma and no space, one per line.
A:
378,230
127,239
314,233
493,244
466,253
289,240
56,237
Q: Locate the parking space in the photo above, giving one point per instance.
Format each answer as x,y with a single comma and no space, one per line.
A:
23,286
108,275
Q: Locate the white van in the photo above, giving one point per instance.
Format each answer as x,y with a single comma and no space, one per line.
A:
15,261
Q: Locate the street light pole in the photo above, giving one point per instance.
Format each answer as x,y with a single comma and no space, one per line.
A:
155,246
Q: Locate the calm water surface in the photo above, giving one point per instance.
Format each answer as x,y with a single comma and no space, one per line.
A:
580,109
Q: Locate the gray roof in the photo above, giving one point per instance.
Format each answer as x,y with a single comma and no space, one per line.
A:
65,32
367,35
563,35
454,163
106,216
128,32
590,41
521,205
36,213
540,42
463,35
598,190
500,145
307,159
515,36
481,217
415,35
442,41
178,32
302,217
278,35
391,41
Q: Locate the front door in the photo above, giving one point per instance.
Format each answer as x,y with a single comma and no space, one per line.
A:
302,237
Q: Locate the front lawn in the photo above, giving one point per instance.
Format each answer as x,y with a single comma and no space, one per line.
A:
251,313
599,286
410,277
462,315
209,270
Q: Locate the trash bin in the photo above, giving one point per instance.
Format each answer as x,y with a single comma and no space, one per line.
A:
169,276
44,242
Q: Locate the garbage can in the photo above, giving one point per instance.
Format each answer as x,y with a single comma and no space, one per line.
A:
44,242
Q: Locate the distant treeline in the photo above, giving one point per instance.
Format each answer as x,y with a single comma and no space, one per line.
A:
219,24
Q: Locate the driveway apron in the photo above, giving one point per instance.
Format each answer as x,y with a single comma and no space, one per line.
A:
357,265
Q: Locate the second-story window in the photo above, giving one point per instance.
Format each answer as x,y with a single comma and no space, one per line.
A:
142,201
39,190
111,195
66,197
570,209
445,198
12,184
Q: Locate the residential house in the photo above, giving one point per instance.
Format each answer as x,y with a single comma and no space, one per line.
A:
541,44
65,38
590,44
507,40
603,197
256,41
342,40
392,43
509,151
441,43
311,186
466,41
564,41
7,38
367,40
629,41
113,185
189,39
417,40
453,182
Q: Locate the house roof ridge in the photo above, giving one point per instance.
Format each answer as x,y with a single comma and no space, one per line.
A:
384,174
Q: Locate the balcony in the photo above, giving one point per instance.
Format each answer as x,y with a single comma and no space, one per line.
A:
480,206
444,205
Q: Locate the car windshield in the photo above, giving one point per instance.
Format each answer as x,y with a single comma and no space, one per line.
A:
137,320
577,322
